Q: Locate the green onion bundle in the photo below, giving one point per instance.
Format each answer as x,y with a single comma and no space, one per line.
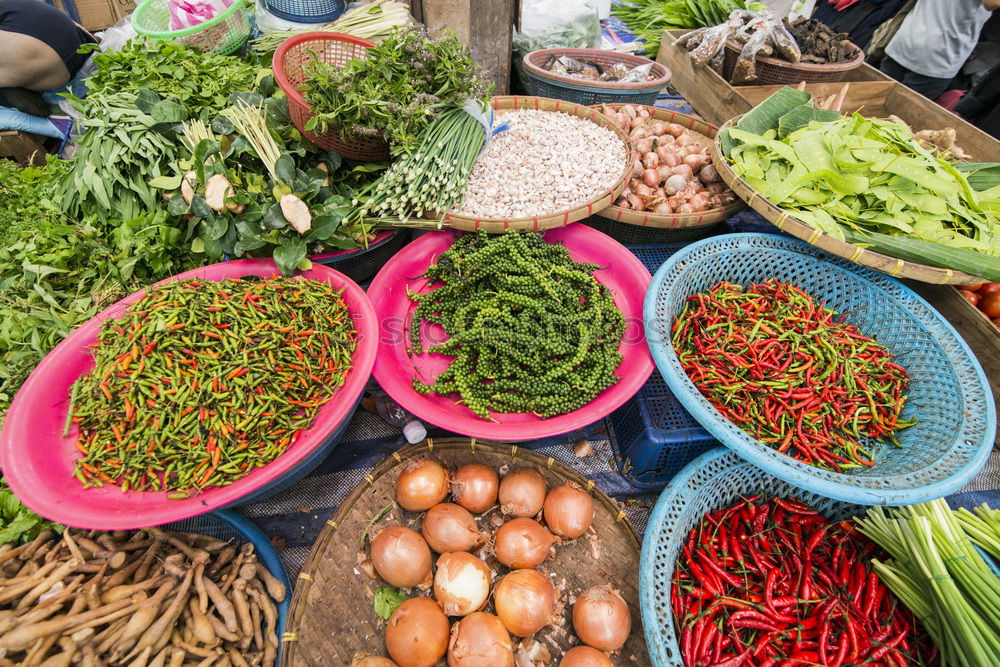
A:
938,573
433,178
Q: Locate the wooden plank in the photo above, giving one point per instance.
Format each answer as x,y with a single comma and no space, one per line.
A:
921,113
485,25
707,92
868,97
981,335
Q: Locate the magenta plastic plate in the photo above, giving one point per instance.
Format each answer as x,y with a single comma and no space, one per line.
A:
37,460
624,275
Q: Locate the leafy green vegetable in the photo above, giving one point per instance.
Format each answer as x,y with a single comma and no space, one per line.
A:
868,182
386,601
647,19
26,196
397,89
18,524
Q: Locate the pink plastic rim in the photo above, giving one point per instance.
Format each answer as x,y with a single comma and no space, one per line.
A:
37,460
624,275
381,236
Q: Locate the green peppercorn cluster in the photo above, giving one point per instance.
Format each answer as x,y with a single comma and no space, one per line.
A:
530,330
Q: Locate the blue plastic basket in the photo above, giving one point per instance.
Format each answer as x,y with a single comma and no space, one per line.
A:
712,481
949,395
652,434
227,525
306,11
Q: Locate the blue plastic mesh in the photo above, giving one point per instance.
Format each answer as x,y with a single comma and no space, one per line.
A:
626,233
712,481
949,394
654,436
306,11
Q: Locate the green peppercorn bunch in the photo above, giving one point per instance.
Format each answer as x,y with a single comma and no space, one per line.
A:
530,330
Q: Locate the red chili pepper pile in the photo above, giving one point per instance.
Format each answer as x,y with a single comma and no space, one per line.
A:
775,584
791,374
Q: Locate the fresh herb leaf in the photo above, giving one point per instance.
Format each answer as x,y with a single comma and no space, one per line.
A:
386,601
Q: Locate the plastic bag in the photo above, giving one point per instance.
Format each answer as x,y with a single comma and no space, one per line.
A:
115,37
785,44
745,70
547,24
189,13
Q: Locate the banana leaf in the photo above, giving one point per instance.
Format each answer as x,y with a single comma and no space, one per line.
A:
932,254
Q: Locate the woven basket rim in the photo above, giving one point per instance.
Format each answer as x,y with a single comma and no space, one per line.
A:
676,220
147,6
429,446
610,86
787,222
278,60
551,219
859,57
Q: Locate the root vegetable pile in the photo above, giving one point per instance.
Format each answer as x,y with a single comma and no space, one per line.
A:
531,330
489,601
203,381
772,582
149,598
545,162
819,43
791,374
673,172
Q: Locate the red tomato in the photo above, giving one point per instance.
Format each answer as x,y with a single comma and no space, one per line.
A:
971,297
972,288
988,288
990,304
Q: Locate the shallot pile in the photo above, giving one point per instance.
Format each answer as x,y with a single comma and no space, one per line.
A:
673,173
461,620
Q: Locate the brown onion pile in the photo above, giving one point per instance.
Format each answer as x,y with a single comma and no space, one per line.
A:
673,172
421,631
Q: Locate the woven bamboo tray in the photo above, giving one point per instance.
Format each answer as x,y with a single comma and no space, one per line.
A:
549,220
787,222
703,133
332,616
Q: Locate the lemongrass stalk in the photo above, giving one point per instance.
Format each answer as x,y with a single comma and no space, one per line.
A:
251,122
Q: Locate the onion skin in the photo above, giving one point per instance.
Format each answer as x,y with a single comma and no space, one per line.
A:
522,543
525,601
461,573
417,633
568,510
601,618
479,640
402,557
449,527
650,177
522,490
474,486
421,485
585,656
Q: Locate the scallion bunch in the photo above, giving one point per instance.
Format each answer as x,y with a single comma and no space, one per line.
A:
938,573
432,179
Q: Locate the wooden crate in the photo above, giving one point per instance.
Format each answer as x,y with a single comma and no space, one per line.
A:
870,92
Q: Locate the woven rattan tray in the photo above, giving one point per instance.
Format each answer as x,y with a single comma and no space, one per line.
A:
332,616
455,220
703,133
787,222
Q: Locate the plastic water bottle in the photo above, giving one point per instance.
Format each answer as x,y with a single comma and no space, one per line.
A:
393,413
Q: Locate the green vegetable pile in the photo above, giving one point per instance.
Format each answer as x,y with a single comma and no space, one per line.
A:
647,19
868,182
402,84
531,330
18,524
26,197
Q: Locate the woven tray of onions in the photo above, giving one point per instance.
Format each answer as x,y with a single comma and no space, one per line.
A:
481,555
673,182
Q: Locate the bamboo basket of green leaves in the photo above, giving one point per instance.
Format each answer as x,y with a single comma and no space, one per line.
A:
864,189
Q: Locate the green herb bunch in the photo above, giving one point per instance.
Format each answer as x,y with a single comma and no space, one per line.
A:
402,84
18,524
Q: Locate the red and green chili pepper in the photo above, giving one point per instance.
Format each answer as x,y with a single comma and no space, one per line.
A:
201,381
792,374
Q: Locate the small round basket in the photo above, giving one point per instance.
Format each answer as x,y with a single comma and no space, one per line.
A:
777,72
306,11
543,83
290,72
949,395
549,219
714,480
360,264
223,34
332,618
787,222
677,226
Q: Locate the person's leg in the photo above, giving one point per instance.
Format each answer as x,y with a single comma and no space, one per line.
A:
928,86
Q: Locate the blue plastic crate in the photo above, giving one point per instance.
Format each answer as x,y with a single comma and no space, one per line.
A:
653,435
